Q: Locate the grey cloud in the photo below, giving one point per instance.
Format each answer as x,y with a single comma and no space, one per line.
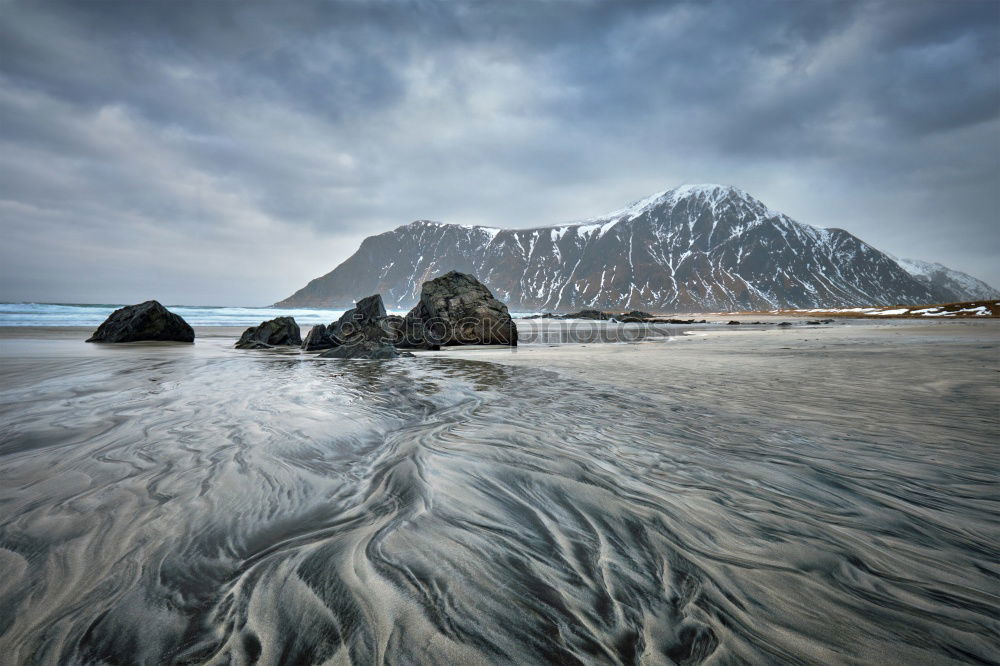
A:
197,141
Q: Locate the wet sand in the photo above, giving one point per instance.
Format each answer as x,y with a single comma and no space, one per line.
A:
718,495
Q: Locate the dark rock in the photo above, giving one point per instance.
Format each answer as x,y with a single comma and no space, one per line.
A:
457,309
370,308
588,314
415,333
634,317
342,329
818,322
281,331
366,321
393,325
734,323
318,338
145,321
364,331
365,349
785,323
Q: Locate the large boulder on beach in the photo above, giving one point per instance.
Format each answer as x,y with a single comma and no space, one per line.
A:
457,309
145,321
278,332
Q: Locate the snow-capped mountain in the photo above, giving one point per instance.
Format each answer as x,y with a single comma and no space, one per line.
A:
692,248
947,284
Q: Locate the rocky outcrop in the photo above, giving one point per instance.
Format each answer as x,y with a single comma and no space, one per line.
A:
632,317
364,331
145,321
457,309
588,314
454,309
278,332
367,320
635,316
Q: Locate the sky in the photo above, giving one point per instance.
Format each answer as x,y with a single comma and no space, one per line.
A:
223,153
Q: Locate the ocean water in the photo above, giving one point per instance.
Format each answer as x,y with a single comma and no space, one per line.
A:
74,314
670,504
532,332
57,314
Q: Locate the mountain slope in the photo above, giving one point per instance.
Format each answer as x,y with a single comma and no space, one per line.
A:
696,247
947,285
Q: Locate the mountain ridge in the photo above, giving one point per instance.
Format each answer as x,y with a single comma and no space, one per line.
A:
946,282
690,248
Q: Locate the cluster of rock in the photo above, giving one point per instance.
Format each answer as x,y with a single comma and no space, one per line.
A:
631,317
144,321
596,315
681,321
816,322
365,331
454,309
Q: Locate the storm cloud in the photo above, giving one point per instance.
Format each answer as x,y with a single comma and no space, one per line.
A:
224,153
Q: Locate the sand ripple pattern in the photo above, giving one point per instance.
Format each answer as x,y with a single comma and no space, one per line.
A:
275,510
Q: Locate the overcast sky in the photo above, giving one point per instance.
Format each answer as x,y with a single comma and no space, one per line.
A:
227,153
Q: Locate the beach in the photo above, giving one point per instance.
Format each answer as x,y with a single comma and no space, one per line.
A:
820,494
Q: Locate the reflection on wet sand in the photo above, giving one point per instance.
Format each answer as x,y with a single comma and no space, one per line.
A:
209,506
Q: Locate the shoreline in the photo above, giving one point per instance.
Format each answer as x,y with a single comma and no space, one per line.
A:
716,323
